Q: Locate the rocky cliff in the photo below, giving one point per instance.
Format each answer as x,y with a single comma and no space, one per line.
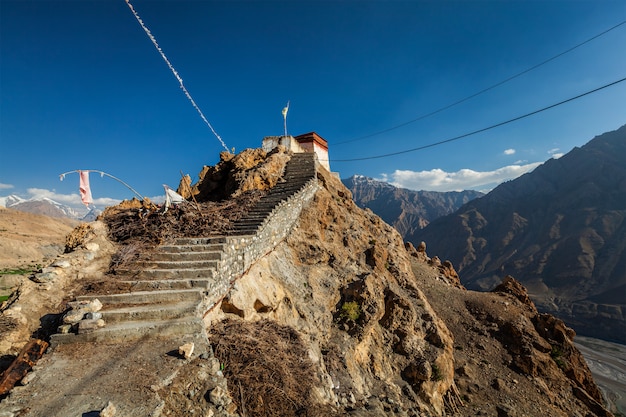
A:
560,230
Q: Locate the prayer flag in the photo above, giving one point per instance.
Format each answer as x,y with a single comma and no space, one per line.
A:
85,191
285,110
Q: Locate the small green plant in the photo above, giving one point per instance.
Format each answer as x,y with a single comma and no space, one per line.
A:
436,375
16,271
3,298
557,356
351,310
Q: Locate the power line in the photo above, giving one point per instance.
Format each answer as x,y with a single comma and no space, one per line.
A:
483,129
483,90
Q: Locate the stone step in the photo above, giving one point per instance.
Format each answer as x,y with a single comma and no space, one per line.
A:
150,312
256,219
164,274
193,256
263,208
247,228
243,232
303,174
146,297
300,175
169,284
177,265
251,222
133,330
288,188
200,240
291,183
186,248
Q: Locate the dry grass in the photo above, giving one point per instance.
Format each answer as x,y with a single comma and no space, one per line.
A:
267,366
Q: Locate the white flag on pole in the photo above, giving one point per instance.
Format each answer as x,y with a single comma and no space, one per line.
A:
285,110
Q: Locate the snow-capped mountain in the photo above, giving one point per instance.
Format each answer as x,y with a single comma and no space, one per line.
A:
10,200
43,206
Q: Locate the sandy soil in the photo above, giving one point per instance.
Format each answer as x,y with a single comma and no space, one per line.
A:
29,239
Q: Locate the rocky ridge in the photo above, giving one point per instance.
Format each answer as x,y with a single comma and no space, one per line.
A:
406,210
360,323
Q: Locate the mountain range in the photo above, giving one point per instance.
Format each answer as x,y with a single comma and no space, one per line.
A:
47,207
406,210
560,230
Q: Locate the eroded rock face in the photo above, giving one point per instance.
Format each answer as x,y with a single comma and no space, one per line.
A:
510,360
342,279
252,169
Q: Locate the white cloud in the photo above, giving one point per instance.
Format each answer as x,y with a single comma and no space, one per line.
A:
5,186
555,153
509,151
159,199
72,200
464,179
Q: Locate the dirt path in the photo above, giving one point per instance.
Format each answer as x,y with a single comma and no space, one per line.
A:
79,379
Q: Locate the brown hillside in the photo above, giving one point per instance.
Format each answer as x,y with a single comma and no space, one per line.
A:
337,319
28,239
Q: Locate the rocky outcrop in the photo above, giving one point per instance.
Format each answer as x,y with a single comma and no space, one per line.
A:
342,279
252,169
510,359
560,230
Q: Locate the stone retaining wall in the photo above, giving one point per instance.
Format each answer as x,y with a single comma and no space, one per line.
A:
240,252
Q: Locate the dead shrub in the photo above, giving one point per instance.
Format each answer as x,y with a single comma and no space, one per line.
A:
77,237
267,366
127,254
139,229
152,227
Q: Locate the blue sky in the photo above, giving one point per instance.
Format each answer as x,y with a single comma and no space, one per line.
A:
83,87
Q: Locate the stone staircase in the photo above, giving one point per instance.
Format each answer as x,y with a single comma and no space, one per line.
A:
299,171
166,297
172,289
